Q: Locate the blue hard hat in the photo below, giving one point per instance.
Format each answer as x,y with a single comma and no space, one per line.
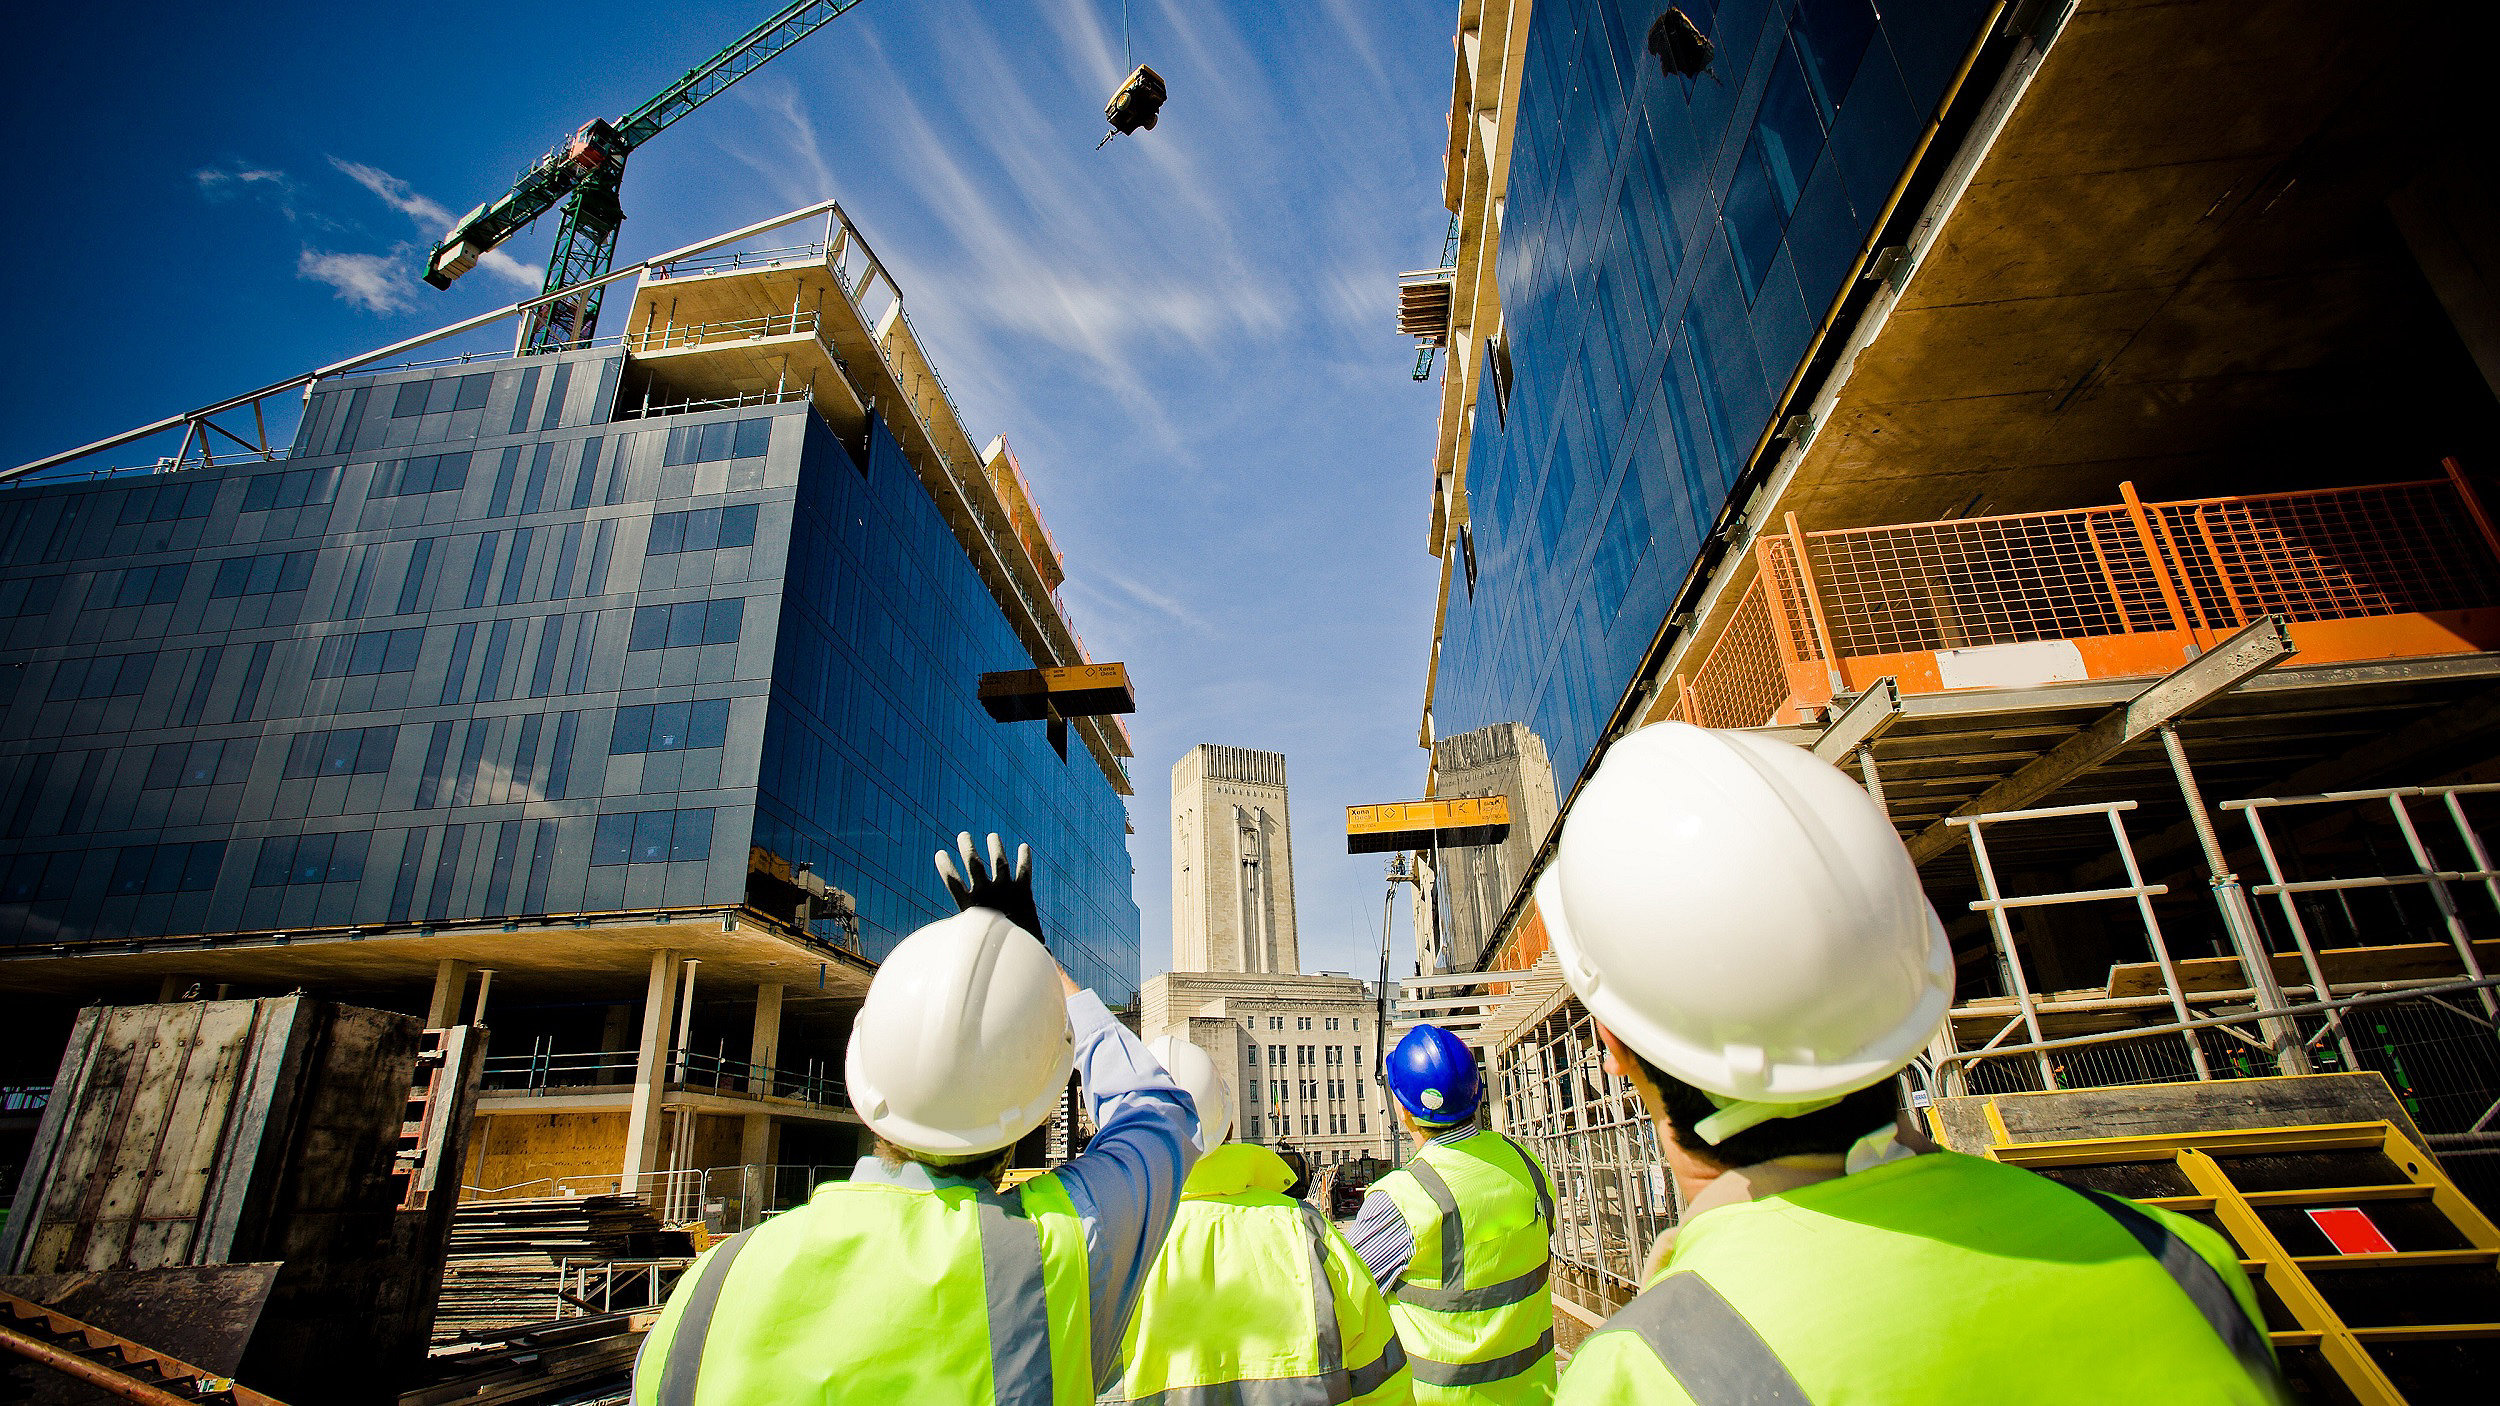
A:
1433,1073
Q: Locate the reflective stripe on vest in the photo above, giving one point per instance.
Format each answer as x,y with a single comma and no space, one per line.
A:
1432,1373
1720,1360
679,1374
1461,1335
1011,1285
2204,1288
1331,1385
1709,1348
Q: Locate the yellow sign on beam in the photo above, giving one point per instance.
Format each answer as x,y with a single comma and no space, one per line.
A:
1449,823
1084,691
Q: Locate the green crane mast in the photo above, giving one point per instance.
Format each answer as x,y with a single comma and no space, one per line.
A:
584,171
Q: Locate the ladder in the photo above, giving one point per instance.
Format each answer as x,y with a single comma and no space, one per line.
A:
114,1364
2379,1280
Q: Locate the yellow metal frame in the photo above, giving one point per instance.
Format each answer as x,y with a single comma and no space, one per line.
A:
1451,813
2345,1348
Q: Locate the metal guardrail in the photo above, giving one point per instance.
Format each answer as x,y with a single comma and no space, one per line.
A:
548,1071
700,334
742,259
613,1286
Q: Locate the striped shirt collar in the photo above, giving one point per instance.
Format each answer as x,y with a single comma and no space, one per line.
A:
1460,1133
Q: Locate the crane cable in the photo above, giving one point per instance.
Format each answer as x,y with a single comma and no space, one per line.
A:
1128,56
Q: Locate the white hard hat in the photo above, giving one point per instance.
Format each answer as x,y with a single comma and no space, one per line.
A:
963,1044
1194,1072
1744,917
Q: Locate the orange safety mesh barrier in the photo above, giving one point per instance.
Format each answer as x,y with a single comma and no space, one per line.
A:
2210,564
1999,580
1744,681
2387,550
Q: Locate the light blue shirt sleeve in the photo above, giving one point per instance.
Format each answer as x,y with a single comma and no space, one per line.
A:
1127,1183
1382,1241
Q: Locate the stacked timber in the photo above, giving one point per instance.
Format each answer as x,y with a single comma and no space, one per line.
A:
508,1258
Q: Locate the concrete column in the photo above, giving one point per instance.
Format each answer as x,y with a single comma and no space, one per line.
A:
764,1051
451,982
760,1143
643,1124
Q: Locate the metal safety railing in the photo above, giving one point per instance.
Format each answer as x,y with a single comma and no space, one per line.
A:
2425,871
1996,904
669,337
613,1286
2439,1052
651,407
545,1070
2132,582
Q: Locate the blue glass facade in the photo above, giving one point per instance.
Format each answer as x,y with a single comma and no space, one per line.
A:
475,649
877,750
1668,247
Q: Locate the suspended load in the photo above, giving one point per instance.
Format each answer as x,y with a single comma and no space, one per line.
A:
1680,47
1135,106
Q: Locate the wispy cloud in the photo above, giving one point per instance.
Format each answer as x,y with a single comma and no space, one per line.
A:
794,163
375,282
430,218
236,180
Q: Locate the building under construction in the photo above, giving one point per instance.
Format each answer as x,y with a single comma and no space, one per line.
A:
614,697
2076,420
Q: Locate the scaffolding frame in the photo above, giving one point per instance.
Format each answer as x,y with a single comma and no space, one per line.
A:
1995,904
1612,1194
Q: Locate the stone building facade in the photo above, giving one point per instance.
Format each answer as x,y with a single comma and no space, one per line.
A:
1232,863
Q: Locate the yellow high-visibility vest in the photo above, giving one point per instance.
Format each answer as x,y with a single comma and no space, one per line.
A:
873,1293
1473,1308
1942,1280
1256,1298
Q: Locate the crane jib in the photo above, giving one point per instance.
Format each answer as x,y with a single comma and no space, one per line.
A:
582,172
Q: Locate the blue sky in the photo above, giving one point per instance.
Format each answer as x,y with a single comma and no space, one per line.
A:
1189,337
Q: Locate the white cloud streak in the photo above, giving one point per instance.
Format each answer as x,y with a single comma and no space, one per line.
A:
431,219
377,283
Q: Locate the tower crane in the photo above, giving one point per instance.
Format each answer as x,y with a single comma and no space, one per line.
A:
583,173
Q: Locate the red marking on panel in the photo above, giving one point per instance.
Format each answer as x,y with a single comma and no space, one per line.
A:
2352,1231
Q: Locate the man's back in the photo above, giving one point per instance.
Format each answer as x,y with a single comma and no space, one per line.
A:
1471,1300
877,1292
1255,1293
1935,1279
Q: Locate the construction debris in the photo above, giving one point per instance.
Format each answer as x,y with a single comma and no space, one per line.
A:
575,1360
106,1362
509,1260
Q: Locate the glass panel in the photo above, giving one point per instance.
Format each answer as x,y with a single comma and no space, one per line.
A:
651,837
613,842
692,839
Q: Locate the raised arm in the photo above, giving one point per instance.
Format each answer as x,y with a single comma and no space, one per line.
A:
1128,1182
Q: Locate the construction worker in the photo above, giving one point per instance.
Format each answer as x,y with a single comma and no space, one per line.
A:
918,1279
1749,933
1256,1297
1459,1237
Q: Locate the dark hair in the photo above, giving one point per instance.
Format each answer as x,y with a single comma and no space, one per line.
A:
1829,1131
986,1168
